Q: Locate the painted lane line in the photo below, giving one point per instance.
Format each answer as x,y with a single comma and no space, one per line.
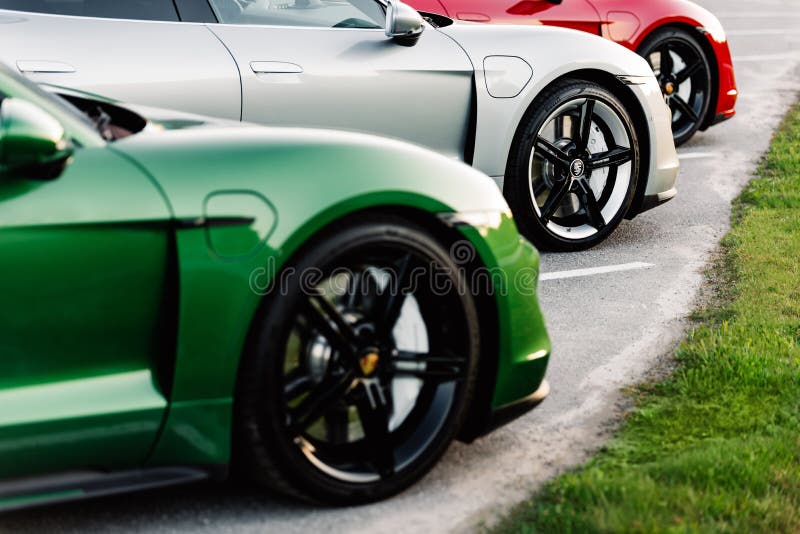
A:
697,155
766,57
756,14
765,31
558,275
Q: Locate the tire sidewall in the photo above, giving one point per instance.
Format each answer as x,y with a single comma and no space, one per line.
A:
260,388
517,188
653,41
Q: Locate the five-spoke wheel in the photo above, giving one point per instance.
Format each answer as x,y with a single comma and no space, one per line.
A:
572,172
363,365
684,73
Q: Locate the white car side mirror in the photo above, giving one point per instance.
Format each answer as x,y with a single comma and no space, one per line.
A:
403,23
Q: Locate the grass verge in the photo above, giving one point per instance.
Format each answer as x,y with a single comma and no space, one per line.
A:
716,446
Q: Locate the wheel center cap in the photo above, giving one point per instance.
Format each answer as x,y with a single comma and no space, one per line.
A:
577,167
669,88
369,362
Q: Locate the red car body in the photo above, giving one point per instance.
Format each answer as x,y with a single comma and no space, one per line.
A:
627,22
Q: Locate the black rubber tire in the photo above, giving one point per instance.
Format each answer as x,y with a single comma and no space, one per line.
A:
678,35
516,187
275,463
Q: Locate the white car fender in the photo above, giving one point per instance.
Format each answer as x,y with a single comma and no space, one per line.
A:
498,118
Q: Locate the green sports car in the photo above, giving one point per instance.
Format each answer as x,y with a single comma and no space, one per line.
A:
185,298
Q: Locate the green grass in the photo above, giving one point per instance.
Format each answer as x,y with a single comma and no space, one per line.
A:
716,446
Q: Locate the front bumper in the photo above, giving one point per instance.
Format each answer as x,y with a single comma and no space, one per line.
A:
721,117
663,167
651,201
727,92
515,380
509,412
664,164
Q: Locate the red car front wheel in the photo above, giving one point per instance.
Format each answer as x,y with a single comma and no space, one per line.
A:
684,73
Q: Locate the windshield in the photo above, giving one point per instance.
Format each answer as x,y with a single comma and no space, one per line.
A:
368,14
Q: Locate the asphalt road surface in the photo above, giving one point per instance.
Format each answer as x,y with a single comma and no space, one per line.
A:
608,330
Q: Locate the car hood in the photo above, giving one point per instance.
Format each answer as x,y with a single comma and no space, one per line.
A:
545,46
193,160
192,155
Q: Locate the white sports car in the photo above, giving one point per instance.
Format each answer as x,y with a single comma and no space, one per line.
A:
573,127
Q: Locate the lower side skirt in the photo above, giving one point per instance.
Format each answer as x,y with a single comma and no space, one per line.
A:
71,486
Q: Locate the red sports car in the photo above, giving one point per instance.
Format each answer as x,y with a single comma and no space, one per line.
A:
683,42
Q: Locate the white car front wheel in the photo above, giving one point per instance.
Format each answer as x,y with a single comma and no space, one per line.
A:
573,167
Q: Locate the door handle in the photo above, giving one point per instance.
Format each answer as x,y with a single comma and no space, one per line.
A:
44,67
275,67
473,17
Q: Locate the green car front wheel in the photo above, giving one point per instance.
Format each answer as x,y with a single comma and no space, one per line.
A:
361,366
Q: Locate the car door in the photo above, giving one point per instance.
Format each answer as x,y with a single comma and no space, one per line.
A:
575,14
85,317
429,6
96,46
328,63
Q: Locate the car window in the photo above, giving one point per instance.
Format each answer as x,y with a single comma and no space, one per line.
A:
113,9
314,13
195,11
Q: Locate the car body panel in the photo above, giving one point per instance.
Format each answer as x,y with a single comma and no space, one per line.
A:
524,354
146,376
573,14
431,6
352,79
626,22
497,119
71,341
433,93
248,159
661,13
175,65
142,210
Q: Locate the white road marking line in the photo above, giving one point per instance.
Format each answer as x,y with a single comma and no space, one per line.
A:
766,57
696,155
558,275
756,14
765,31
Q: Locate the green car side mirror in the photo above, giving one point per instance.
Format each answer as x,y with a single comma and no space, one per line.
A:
33,144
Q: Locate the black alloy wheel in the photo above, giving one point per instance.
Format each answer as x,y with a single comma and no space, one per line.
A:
360,373
573,167
684,74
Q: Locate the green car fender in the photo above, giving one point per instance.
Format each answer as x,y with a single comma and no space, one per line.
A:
242,213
